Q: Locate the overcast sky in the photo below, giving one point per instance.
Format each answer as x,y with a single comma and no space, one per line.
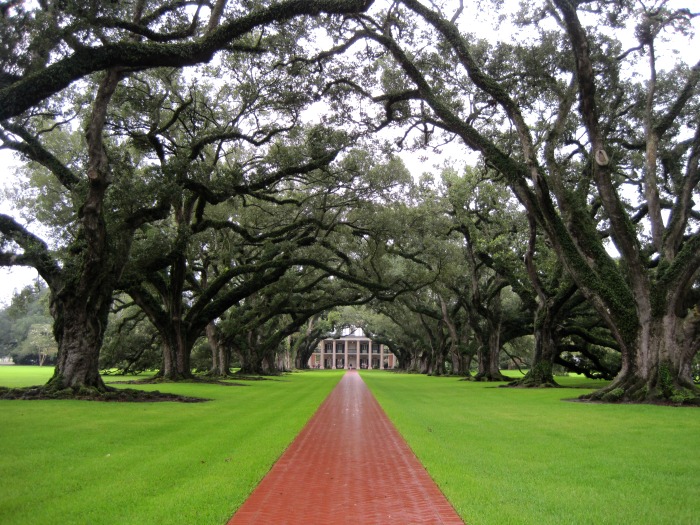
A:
11,279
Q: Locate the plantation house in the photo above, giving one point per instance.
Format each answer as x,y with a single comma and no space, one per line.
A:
352,351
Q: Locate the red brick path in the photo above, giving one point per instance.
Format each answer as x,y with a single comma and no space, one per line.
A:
348,465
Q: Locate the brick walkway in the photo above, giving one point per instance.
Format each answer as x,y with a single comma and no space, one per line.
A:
348,465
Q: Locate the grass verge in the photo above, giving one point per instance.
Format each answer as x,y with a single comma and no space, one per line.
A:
523,456
77,462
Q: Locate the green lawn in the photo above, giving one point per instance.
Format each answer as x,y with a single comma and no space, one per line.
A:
78,462
18,376
501,456
505,456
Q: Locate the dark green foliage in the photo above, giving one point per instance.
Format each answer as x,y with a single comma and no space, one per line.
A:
25,327
131,345
218,210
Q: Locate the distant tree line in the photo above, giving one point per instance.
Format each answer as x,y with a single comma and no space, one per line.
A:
26,328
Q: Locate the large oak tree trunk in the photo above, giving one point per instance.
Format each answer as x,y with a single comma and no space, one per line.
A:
284,360
468,358
251,364
176,357
224,361
540,373
251,360
457,362
168,317
409,360
220,355
425,362
440,355
269,363
659,369
488,355
659,337
79,328
82,295
655,351
301,359
454,355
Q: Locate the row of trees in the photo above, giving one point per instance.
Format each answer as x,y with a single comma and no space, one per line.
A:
25,328
231,168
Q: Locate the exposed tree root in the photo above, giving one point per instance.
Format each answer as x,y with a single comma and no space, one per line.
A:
540,376
664,390
163,380
246,376
531,382
93,394
491,377
659,402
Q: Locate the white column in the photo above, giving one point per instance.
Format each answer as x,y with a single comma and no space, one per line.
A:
321,347
333,354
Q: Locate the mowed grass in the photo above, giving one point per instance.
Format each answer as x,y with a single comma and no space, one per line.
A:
78,462
509,456
19,376
501,456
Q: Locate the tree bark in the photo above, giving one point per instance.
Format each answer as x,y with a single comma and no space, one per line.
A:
82,295
251,359
251,364
488,354
177,339
628,294
220,355
661,370
176,357
79,330
488,357
32,88
425,364
454,339
540,373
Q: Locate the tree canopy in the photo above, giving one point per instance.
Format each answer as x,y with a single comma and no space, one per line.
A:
233,172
